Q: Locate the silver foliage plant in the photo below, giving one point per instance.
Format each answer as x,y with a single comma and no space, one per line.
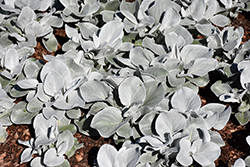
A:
130,71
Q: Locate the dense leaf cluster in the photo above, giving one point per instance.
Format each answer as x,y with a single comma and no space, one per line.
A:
130,71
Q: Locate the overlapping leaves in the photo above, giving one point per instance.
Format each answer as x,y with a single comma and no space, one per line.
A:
130,70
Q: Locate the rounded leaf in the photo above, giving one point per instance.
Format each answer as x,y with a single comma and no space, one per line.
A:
206,152
58,66
140,56
20,115
53,83
183,157
11,59
107,156
132,91
107,121
169,122
185,99
94,91
155,92
245,78
220,20
116,27
51,158
202,66
27,83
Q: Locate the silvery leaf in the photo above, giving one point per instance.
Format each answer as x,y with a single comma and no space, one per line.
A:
183,156
173,78
30,69
129,9
26,155
3,136
190,53
248,140
51,158
116,27
172,38
25,52
206,152
170,18
94,91
30,41
219,88
220,20
33,4
239,163
54,21
107,15
45,4
223,114
49,112
53,83
65,163
36,162
62,147
169,122
124,131
126,46
50,42
60,67
11,59
161,6
180,31
2,93
216,138
27,83
140,56
37,29
132,91
64,142
155,92
211,8
72,33
107,156
96,107
26,16
19,115
107,121
87,29
185,99
245,78
197,9
247,160
128,156
202,66
61,103
200,81
150,44
17,36
34,105
205,29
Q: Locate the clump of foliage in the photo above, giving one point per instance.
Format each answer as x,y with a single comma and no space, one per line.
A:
130,71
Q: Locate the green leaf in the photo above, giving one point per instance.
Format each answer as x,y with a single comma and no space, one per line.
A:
50,42
243,117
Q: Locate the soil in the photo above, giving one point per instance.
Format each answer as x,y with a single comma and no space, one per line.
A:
233,134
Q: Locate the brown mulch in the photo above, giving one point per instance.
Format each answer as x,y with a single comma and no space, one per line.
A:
233,134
